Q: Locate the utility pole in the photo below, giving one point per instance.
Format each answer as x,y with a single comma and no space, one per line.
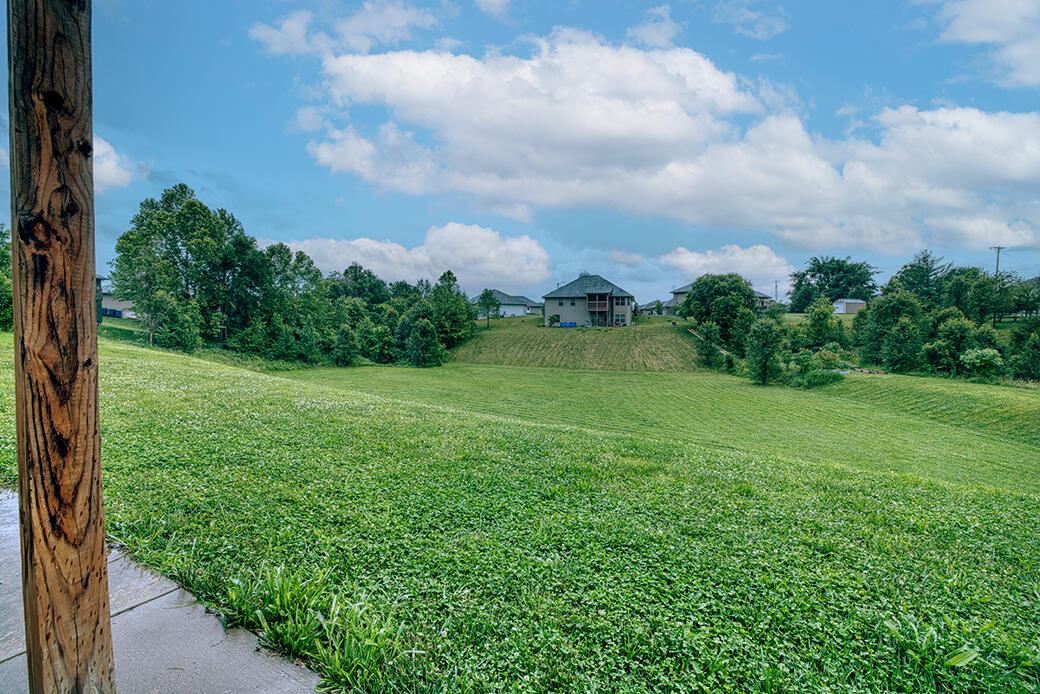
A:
68,631
776,291
998,249
996,282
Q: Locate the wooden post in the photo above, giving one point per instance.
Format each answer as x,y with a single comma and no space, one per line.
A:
68,629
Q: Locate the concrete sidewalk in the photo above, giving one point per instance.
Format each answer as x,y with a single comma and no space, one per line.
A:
164,642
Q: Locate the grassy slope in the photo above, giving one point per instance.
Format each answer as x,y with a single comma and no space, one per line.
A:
652,344
519,557
989,438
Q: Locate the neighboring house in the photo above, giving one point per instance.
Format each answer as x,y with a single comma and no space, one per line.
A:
534,309
849,306
116,308
510,305
590,300
762,301
650,309
671,307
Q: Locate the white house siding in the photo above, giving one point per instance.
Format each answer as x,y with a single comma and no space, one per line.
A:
849,306
110,303
510,310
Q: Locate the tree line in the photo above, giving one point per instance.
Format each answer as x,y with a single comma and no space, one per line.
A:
195,277
930,317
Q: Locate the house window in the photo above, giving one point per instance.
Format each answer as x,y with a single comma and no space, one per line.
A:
561,302
572,302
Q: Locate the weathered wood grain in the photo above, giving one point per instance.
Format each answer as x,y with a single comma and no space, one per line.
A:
65,582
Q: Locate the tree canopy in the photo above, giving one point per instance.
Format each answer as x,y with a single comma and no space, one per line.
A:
833,278
726,300
195,276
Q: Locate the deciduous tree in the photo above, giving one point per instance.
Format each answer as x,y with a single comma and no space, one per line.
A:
488,305
762,350
833,278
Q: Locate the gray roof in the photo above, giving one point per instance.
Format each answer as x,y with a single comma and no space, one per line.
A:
586,284
683,289
510,299
653,304
687,287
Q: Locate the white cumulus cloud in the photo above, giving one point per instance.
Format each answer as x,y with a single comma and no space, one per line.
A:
288,37
113,170
658,30
758,264
478,256
582,123
376,22
1011,28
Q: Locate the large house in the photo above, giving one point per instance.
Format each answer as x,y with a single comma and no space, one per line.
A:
510,305
589,300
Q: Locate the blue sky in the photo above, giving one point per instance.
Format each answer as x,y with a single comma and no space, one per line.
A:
519,142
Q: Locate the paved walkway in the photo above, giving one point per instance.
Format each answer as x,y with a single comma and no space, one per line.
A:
164,642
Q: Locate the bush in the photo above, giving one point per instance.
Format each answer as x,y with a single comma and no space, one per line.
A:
817,378
424,347
384,346
707,346
1026,363
179,328
345,350
880,318
901,347
826,359
954,339
822,325
984,363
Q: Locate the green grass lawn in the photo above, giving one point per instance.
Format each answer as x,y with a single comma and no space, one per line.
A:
651,344
929,428
480,528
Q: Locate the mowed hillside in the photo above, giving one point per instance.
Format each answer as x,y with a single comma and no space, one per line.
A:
936,429
652,344
490,528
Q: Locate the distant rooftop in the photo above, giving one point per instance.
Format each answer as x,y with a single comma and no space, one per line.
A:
686,288
586,284
683,289
511,299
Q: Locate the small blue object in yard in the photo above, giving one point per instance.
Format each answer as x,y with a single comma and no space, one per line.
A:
568,325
